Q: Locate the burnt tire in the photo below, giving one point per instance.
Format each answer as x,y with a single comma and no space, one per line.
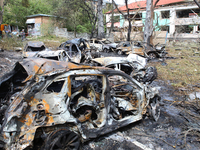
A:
152,55
62,139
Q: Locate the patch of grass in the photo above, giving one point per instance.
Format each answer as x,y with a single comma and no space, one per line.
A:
9,43
50,40
185,69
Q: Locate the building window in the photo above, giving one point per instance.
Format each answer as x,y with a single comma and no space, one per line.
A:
137,16
165,14
183,28
164,28
187,13
116,19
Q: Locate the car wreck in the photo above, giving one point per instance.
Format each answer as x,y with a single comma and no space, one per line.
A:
61,105
129,47
138,47
133,65
38,49
102,45
78,49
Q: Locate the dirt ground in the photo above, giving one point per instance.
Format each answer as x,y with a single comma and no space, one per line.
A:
169,132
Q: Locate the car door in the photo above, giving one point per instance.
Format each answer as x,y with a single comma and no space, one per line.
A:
88,101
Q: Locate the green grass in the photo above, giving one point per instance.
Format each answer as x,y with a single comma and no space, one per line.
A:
185,69
10,43
50,41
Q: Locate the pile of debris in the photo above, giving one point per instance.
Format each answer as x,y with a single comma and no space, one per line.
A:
52,101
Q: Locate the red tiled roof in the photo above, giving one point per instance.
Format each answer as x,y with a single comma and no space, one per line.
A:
142,4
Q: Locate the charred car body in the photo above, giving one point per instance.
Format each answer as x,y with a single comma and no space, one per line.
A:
157,51
133,65
103,45
129,48
78,49
138,47
64,104
38,49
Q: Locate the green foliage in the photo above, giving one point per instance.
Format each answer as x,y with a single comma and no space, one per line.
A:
16,11
77,18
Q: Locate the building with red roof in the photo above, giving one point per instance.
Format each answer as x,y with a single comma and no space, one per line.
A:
169,15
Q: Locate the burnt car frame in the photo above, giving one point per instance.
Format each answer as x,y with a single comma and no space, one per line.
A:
38,49
129,48
63,107
78,49
133,65
140,48
102,45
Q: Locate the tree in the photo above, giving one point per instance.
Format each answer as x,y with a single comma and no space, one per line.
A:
15,11
88,10
80,16
2,4
148,29
128,17
100,20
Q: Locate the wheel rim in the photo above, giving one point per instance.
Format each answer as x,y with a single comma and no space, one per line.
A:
63,140
119,52
152,55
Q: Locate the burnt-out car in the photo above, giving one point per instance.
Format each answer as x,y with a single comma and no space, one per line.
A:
129,47
140,48
133,65
78,49
38,49
59,108
156,51
102,45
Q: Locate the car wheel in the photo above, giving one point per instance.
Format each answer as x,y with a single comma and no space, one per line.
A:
119,52
152,56
105,50
62,139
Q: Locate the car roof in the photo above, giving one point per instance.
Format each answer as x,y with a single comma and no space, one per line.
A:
35,44
38,66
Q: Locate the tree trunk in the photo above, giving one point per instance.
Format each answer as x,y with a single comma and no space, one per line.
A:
129,30
148,29
129,22
100,20
112,19
3,2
